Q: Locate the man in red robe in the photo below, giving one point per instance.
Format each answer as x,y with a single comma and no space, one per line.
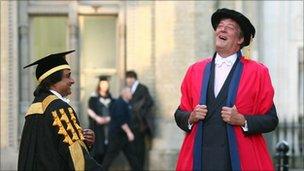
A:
226,104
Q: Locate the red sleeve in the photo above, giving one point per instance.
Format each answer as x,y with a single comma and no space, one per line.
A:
186,98
266,91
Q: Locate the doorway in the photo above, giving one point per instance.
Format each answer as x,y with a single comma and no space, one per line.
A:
98,56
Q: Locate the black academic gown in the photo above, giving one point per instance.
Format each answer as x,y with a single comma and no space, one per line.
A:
101,131
52,138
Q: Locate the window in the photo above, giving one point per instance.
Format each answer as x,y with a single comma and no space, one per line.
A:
48,35
98,55
98,41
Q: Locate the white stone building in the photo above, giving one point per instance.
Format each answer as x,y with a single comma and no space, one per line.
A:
158,39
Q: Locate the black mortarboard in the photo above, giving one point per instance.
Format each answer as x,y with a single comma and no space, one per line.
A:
104,78
50,64
244,23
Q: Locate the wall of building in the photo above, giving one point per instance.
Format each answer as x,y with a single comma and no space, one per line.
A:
161,39
281,39
9,84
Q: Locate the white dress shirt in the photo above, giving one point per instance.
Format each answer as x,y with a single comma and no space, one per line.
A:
222,69
59,96
134,86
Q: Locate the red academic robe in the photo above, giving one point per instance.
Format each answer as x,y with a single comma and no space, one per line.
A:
254,96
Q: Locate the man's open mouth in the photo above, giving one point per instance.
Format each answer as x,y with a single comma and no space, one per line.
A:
222,37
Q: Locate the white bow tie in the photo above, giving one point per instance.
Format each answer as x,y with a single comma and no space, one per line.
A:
219,61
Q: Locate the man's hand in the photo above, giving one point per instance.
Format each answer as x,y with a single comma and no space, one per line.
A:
232,116
130,136
125,127
89,137
199,112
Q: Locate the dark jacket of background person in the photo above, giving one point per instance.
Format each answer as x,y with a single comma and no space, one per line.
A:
118,141
142,117
120,114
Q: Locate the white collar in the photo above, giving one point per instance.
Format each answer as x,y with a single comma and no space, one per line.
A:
229,60
134,86
59,96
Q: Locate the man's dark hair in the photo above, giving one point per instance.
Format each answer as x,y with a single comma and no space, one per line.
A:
45,85
131,74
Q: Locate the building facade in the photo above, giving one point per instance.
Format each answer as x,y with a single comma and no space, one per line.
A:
157,39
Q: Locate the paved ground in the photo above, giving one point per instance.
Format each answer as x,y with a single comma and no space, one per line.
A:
9,159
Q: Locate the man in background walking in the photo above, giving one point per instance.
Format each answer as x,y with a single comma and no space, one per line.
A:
142,119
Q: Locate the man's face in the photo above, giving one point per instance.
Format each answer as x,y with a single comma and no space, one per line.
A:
64,86
126,94
228,36
130,81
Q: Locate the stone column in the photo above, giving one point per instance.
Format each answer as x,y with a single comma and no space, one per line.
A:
73,39
26,92
204,33
139,41
281,41
9,85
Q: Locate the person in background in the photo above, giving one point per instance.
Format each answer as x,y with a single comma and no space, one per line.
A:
142,118
98,111
121,136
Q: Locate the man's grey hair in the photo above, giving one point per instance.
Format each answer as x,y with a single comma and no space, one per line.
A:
124,90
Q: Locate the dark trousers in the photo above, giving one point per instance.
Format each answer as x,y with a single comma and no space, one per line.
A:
139,143
119,142
100,156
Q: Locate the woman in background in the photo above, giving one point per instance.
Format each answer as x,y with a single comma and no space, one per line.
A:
98,111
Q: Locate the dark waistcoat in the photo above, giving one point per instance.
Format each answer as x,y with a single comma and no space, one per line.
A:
215,142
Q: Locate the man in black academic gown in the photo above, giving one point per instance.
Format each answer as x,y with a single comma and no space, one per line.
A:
142,118
52,138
